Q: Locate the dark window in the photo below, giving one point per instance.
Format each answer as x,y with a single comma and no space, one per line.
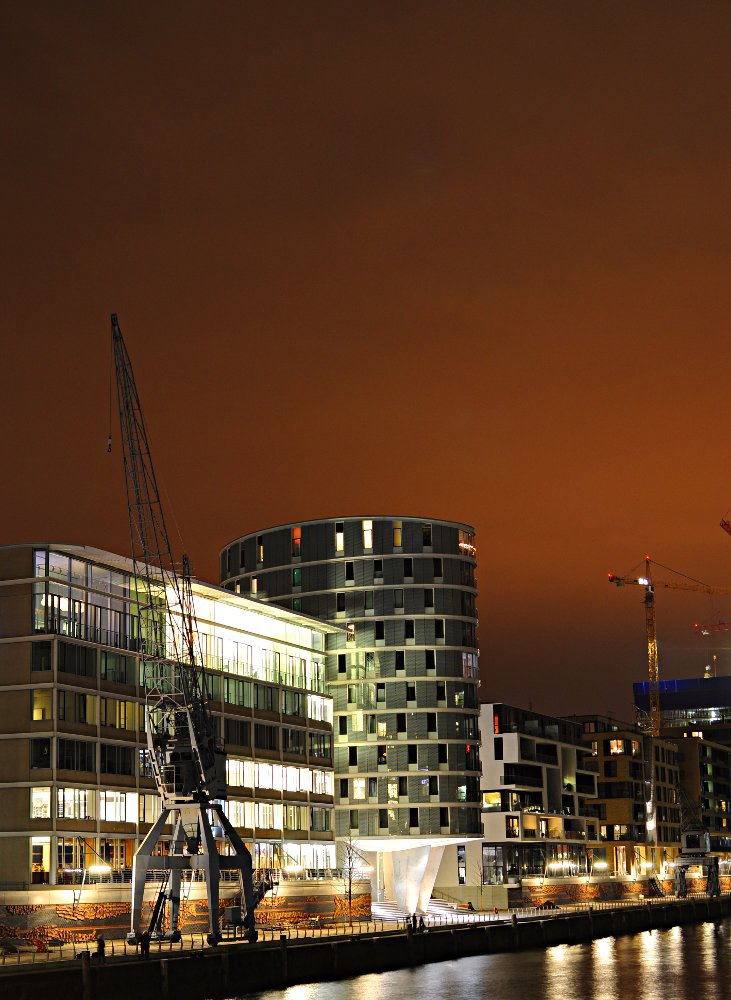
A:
293,741
413,817
293,703
380,692
442,753
297,604
368,600
400,659
266,698
343,725
349,571
403,787
353,756
401,722
342,663
320,745
353,819
498,745
441,691
398,598
112,759
265,737
117,668
408,568
431,722
411,753
437,568
377,569
40,753
430,659
372,787
340,603
433,785
79,660
429,597
41,659
343,788
297,577
426,534
379,631
381,754
409,628
411,692
382,819
438,628
443,816
237,731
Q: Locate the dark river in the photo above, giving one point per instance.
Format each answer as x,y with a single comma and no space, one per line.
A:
681,963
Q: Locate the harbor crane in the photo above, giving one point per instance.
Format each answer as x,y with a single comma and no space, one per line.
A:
186,759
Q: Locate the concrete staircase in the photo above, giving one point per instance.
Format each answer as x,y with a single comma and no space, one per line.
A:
439,911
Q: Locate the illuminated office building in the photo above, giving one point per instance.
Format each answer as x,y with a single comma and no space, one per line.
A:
77,789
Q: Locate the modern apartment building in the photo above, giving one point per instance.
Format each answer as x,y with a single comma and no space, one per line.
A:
629,760
538,786
76,787
705,776
403,674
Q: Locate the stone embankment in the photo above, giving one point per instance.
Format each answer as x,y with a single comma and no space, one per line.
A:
237,969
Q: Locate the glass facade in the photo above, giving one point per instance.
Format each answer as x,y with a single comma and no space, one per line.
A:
85,705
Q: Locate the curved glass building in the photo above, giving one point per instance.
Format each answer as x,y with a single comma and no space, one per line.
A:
403,675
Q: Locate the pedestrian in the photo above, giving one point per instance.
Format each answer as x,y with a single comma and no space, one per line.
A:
145,944
422,925
101,945
413,921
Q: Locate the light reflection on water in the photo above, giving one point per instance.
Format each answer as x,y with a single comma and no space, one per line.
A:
680,963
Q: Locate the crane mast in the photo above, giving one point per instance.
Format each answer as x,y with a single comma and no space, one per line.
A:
652,724
187,762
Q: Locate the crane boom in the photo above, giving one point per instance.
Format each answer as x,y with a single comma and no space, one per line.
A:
187,762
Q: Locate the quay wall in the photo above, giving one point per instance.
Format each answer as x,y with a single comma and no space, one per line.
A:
64,914
235,970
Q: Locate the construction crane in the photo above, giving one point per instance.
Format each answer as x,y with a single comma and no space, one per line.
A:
188,763
652,723
650,585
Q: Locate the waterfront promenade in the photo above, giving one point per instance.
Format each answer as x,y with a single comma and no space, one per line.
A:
189,970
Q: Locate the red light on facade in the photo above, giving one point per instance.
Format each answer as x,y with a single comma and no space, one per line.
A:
495,724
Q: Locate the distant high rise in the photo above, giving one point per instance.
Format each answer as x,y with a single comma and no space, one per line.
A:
403,674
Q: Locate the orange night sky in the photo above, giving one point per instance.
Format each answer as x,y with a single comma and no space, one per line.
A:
467,260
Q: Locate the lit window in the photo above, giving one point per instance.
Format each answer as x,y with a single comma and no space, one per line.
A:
260,549
40,803
297,577
616,746
467,542
359,788
296,541
339,536
254,585
41,704
397,534
368,534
